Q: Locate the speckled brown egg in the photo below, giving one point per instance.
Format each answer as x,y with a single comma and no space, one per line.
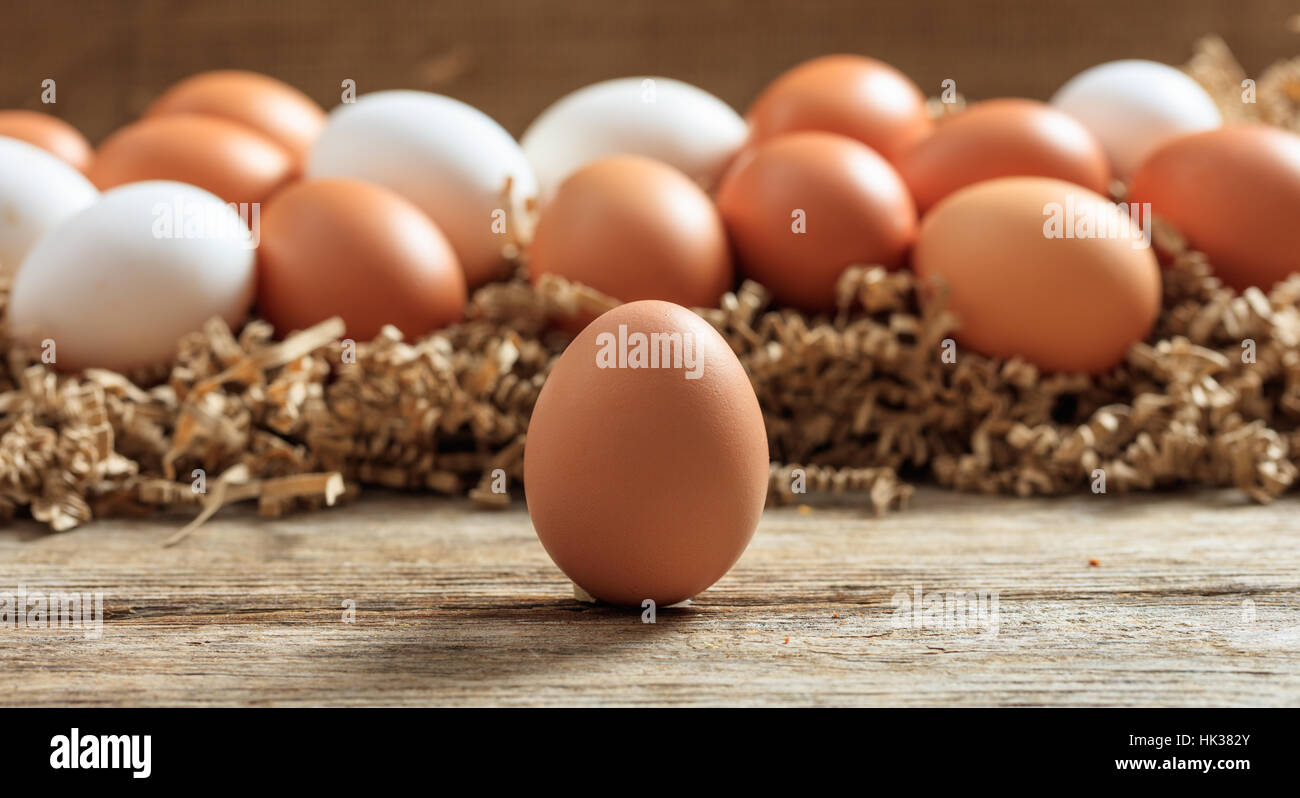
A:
646,475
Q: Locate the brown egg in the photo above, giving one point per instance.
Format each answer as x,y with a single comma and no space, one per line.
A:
346,248
1235,194
1003,138
273,108
50,134
230,160
1029,278
634,228
858,97
646,478
804,207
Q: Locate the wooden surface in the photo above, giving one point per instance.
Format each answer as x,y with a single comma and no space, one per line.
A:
459,606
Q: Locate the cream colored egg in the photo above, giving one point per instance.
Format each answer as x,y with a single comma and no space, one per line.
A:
118,284
1134,106
37,191
660,118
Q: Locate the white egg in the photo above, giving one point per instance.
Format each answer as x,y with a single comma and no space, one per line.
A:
1133,107
37,191
450,159
118,284
660,118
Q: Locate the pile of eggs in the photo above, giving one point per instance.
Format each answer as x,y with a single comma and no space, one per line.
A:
234,189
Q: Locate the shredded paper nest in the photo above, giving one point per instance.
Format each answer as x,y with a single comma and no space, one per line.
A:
861,402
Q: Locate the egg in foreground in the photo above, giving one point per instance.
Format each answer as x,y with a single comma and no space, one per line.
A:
645,472
1042,269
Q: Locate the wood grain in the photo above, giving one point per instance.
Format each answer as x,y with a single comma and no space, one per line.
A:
459,606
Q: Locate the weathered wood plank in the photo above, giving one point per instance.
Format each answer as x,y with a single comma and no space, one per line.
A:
460,606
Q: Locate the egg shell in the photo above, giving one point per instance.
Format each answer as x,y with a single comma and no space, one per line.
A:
634,228
452,160
1003,138
1234,193
1134,106
802,208
642,483
228,159
273,108
851,95
661,118
118,284
37,191
348,248
50,134
1063,304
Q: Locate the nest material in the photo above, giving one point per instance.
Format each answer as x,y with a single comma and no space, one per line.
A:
853,403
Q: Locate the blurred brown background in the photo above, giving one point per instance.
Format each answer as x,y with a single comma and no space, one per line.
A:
513,57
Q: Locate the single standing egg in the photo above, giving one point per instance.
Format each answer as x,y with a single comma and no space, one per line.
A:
50,134
804,207
273,108
453,161
1003,138
851,95
1235,194
660,118
37,191
356,250
1041,269
646,463
634,228
118,284
231,160
1133,107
